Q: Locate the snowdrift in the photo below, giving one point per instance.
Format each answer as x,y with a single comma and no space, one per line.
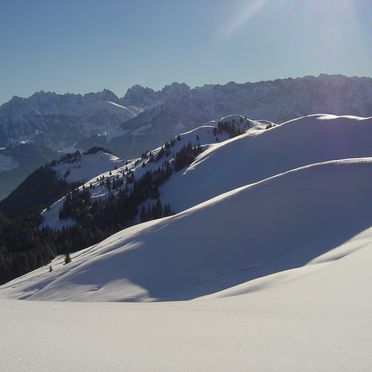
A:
277,224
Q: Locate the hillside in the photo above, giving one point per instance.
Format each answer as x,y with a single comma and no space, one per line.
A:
220,243
261,154
321,313
19,161
53,180
106,182
274,269
318,317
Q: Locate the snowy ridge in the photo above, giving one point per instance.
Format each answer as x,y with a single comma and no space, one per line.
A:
93,171
260,154
87,166
219,243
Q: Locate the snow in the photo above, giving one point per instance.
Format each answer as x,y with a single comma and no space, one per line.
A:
83,170
316,321
50,217
251,232
260,154
273,273
89,166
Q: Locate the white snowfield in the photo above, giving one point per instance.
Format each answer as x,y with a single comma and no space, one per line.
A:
277,273
316,318
257,155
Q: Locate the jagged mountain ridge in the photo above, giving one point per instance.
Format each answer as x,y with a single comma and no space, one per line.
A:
57,120
45,116
177,108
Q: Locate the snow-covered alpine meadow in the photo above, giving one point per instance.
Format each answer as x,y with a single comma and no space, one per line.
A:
317,317
266,266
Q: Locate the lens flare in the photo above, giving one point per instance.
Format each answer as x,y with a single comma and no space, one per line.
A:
248,11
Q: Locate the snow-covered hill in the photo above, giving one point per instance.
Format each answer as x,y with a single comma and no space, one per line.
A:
93,173
319,317
232,163
261,154
80,168
277,263
277,224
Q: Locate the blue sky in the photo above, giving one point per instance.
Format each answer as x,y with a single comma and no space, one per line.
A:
87,45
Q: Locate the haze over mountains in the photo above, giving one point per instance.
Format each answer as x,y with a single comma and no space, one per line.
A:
144,118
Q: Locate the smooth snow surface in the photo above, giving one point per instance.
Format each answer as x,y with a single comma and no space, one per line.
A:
317,321
257,155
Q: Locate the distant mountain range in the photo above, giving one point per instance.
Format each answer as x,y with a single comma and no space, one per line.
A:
144,118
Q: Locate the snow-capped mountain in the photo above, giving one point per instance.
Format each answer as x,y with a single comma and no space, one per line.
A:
178,108
58,120
144,118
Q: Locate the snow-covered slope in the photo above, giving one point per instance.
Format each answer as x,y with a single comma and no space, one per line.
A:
278,270
92,170
87,166
232,163
280,223
80,169
319,319
260,154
